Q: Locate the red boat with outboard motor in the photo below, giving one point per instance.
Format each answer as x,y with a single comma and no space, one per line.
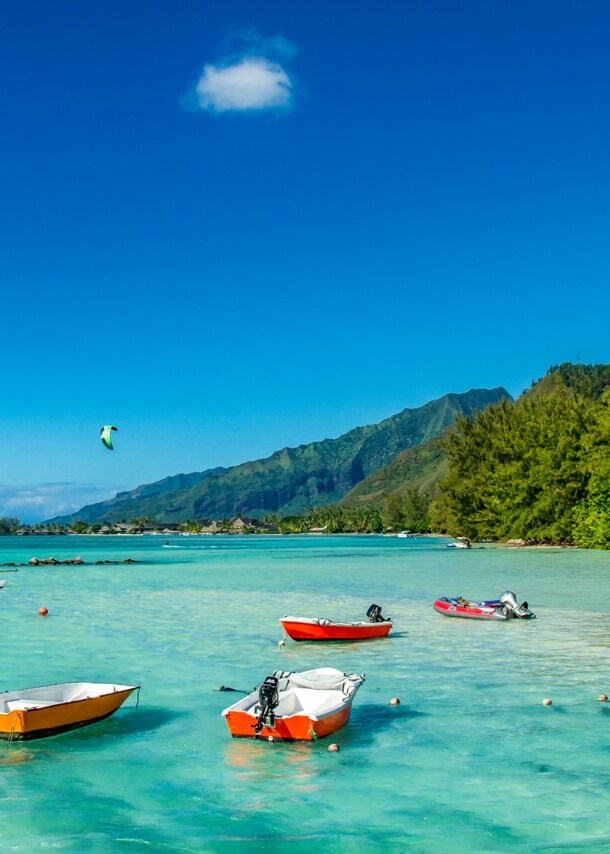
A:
504,608
310,629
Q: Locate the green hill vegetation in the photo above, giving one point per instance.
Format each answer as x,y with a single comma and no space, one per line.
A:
291,481
537,469
403,490
419,468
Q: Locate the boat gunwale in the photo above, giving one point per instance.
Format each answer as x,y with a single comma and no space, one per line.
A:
4,695
357,624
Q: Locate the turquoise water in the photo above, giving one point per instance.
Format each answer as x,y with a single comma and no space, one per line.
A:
470,761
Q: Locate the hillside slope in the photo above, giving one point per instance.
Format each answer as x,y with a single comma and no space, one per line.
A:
421,468
293,480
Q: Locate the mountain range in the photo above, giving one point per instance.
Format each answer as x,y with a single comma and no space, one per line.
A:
360,467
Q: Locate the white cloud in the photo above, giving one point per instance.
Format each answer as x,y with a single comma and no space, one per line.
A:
251,76
42,501
251,83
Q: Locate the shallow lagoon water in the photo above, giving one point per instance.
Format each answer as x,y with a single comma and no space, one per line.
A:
469,761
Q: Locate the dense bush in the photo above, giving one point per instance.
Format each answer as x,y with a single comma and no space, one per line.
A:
537,469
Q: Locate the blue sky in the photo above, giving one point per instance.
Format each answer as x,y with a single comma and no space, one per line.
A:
231,227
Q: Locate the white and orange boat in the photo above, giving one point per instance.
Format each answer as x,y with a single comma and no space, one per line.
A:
290,706
51,709
311,629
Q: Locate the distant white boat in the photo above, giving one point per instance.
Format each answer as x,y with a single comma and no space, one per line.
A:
403,534
460,543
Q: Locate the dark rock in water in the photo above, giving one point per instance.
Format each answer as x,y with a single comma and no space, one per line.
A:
74,561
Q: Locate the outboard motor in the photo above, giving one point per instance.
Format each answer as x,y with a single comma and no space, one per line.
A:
374,615
268,700
509,600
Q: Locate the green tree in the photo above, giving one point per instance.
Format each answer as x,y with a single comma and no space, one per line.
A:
592,522
408,510
80,527
8,524
517,470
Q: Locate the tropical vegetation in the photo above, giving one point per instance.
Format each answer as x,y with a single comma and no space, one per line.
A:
8,524
537,469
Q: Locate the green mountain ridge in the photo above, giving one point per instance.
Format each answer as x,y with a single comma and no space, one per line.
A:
421,468
292,480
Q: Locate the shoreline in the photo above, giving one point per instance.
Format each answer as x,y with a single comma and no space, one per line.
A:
510,544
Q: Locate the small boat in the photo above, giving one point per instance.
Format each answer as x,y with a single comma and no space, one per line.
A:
290,706
51,709
504,608
404,534
311,629
460,543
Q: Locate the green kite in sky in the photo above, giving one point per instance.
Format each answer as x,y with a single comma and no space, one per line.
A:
106,436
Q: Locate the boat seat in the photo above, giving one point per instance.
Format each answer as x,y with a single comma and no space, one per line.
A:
289,705
81,694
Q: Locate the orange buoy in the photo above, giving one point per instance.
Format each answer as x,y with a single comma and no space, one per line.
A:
43,612
547,702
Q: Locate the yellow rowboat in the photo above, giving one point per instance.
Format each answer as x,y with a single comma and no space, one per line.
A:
51,709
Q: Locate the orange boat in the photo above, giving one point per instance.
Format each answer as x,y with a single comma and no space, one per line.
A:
51,709
309,629
295,706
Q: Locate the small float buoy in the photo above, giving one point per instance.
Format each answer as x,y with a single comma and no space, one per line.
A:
281,643
334,748
603,698
43,612
547,702
394,701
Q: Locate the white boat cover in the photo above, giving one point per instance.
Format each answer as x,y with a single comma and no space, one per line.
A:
322,679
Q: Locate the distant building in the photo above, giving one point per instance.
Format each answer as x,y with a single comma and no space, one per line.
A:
210,528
